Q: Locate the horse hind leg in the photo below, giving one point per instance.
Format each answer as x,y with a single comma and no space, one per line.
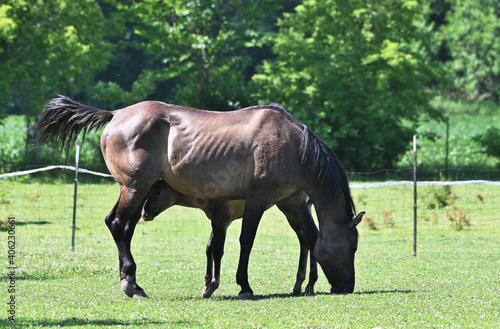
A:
121,222
219,230
251,218
210,266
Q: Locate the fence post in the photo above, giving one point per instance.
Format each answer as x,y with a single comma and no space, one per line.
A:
77,160
414,195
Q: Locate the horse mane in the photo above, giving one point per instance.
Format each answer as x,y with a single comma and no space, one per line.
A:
324,166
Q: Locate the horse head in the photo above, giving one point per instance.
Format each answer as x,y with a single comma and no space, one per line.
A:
158,199
334,250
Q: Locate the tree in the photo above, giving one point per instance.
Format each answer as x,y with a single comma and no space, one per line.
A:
199,49
490,142
356,72
473,37
48,47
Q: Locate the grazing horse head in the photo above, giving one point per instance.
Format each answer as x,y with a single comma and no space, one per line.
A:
329,189
335,250
159,198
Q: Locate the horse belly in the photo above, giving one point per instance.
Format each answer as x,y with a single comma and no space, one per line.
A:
214,181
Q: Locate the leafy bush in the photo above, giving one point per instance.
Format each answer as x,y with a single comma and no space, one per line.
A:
490,141
467,136
473,38
13,145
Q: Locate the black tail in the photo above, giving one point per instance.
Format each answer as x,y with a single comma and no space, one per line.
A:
63,120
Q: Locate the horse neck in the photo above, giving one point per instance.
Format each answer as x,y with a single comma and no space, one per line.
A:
330,207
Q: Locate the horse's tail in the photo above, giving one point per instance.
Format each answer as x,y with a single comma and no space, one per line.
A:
63,120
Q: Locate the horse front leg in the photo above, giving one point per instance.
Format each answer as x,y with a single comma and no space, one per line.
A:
251,219
313,275
301,271
121,222
298,214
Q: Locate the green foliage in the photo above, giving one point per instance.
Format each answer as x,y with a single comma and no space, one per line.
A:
490,141
199,46
468,126
473,38
13,137
48,47
16,150
353,72
438,197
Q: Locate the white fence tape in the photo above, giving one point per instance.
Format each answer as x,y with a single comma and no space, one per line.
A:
80,170
439,183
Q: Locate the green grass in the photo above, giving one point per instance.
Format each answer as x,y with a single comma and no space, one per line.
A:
453,281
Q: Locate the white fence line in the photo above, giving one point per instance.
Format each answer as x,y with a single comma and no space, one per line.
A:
438,183
26,172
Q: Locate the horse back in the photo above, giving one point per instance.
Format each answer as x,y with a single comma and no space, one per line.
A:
205,154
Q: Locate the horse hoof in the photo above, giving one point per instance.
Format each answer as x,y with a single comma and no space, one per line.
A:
127,288
309,291
296,292
246,296
140,294
208,293
132,291
210,289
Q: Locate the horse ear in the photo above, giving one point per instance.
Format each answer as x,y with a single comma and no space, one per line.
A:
358,219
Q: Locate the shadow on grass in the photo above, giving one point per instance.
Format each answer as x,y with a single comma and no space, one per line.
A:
377,292
77,322
273,296
290,295
29,278
32,222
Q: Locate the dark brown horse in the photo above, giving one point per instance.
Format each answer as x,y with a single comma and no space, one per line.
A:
222,213
260,154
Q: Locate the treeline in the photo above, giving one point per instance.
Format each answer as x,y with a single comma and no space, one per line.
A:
362,74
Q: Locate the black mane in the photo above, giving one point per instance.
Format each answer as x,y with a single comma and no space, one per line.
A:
324,166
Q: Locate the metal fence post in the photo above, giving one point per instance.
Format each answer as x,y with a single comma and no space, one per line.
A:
414,195
77,160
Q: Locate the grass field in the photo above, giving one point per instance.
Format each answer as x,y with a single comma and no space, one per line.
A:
453,281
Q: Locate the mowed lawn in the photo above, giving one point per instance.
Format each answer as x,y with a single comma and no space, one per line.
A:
452,282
